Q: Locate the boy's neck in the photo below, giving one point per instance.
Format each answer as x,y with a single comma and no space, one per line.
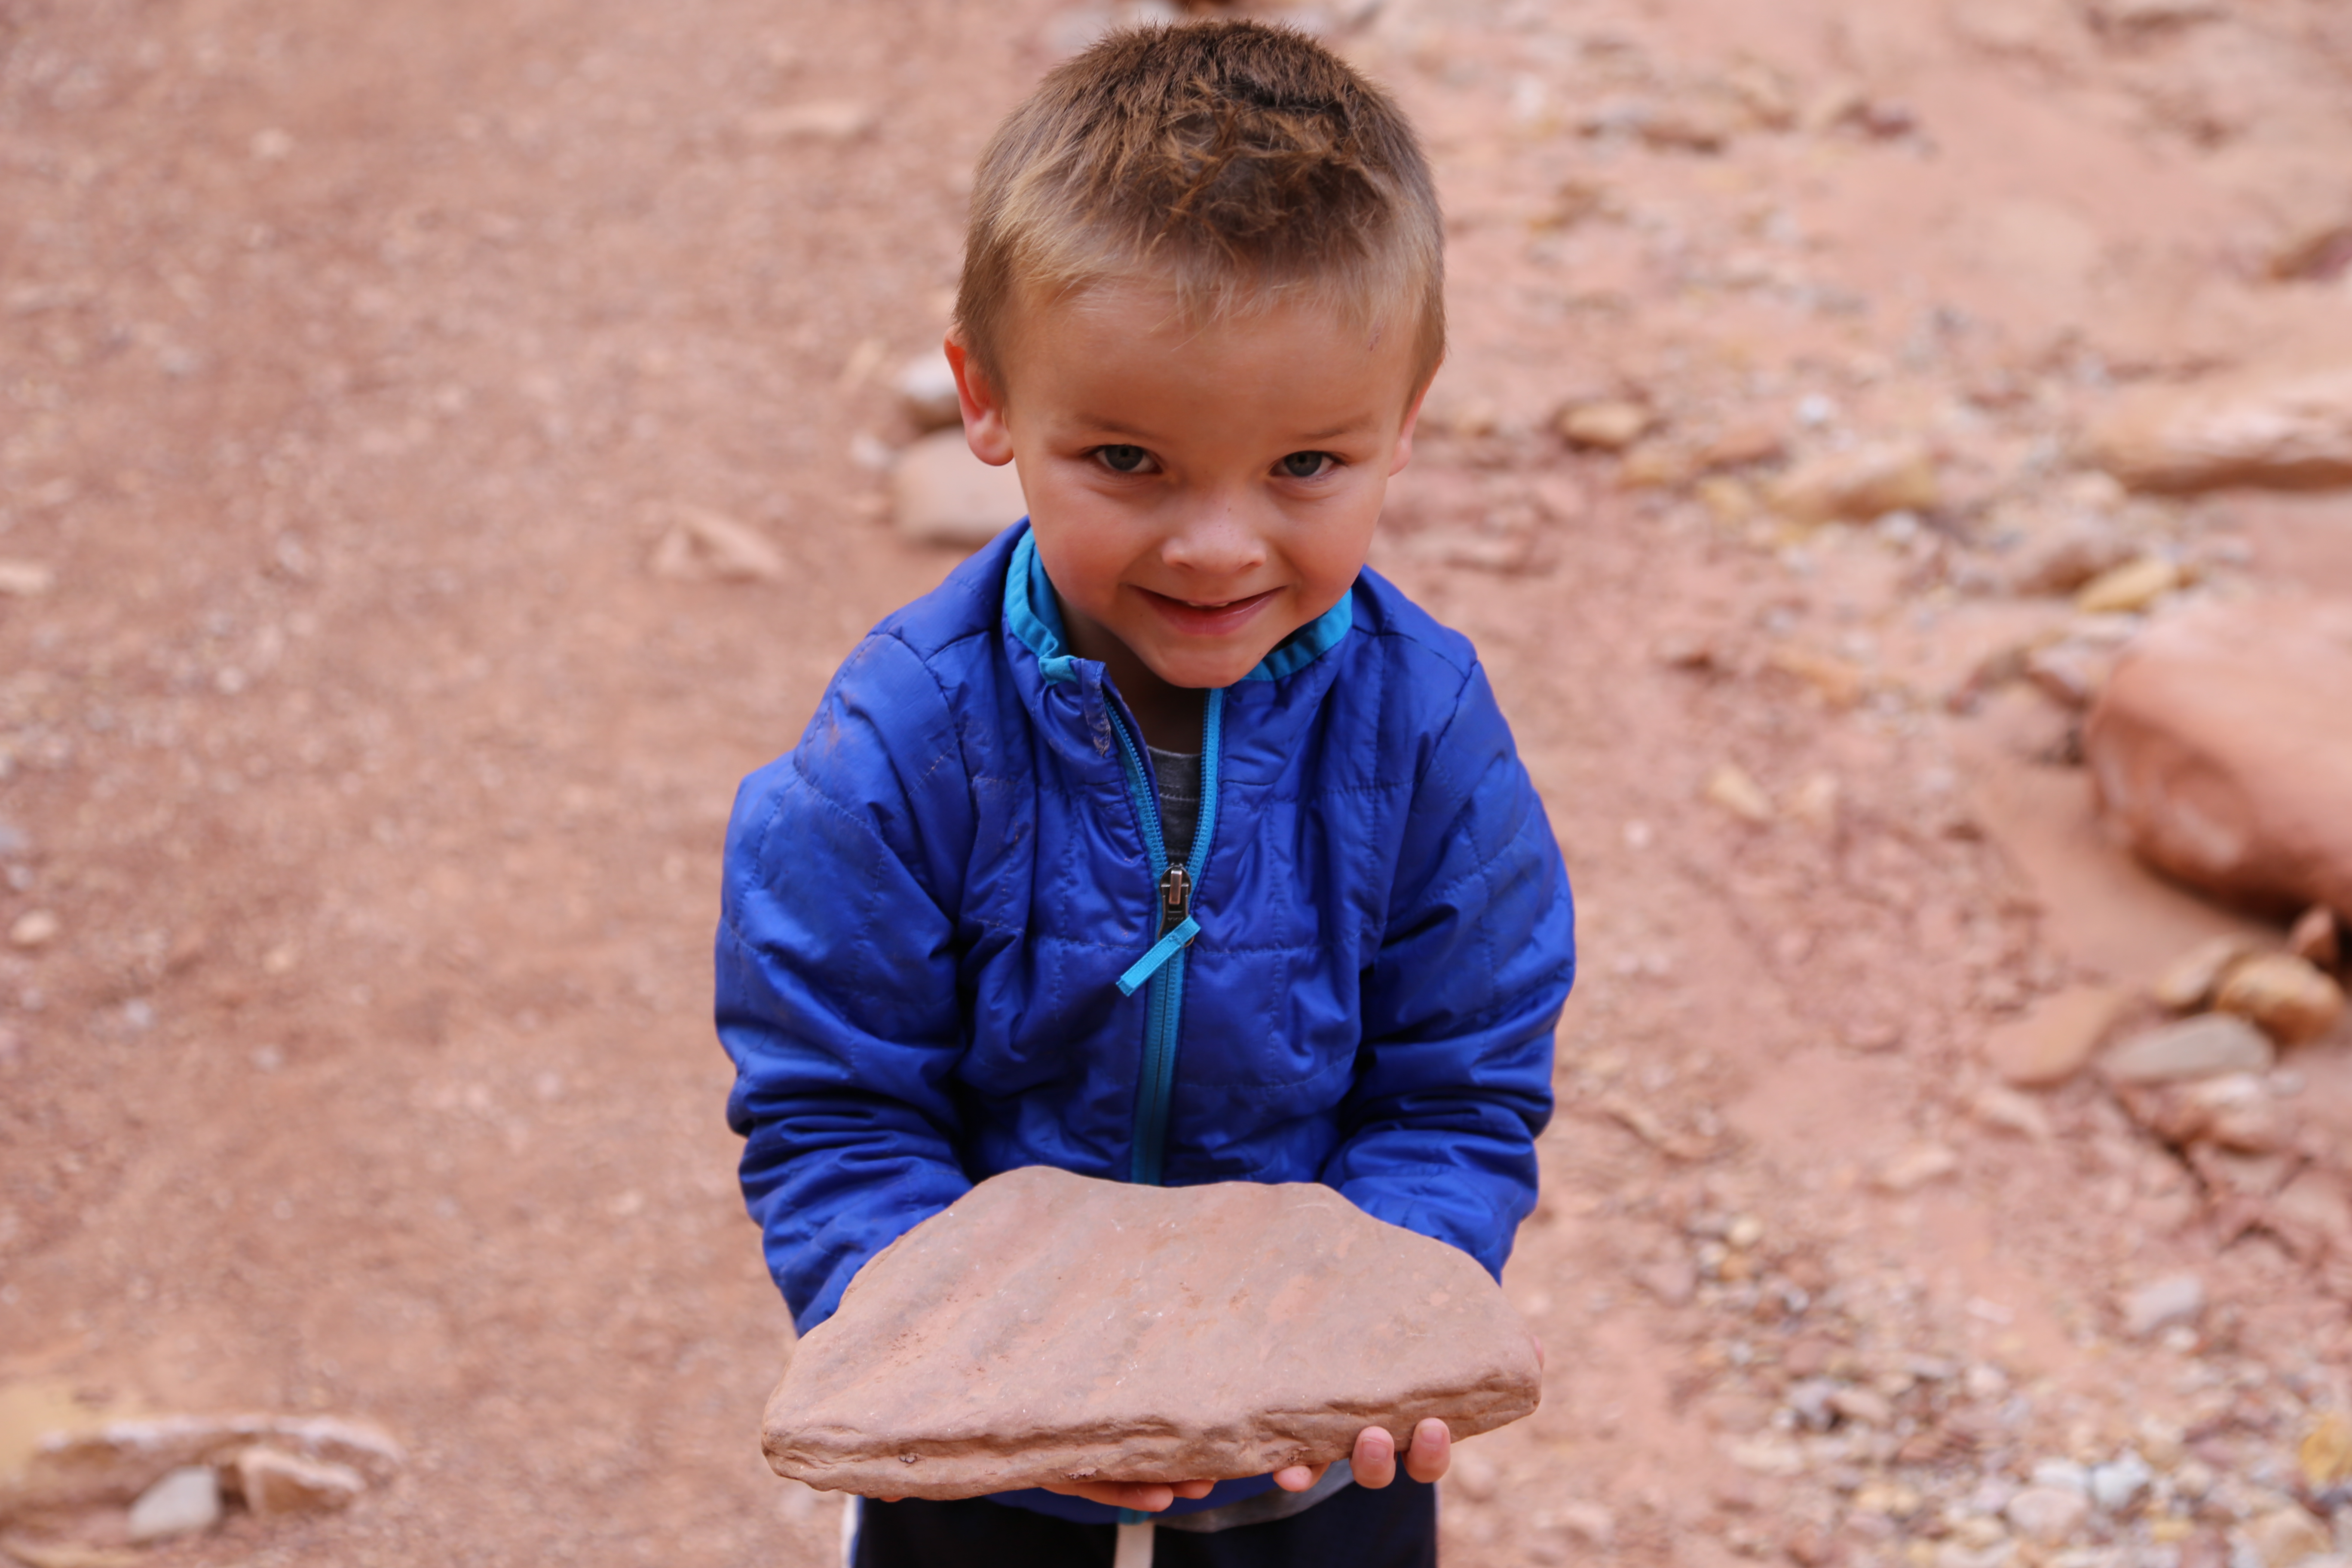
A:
1169,715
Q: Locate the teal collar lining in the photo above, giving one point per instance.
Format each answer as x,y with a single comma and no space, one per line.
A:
1036,618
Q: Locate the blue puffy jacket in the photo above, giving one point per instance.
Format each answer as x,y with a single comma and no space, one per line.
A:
950,943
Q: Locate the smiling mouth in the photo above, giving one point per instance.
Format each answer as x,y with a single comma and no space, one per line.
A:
1206,615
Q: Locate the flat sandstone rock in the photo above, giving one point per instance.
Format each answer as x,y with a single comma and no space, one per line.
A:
2283,428
1052,1326
2220,749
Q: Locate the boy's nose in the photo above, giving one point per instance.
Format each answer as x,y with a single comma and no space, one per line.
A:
1219,538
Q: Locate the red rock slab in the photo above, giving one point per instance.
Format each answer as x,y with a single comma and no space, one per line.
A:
1051,1326
2221,747
2286,429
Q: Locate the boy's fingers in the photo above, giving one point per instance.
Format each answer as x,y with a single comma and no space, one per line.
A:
1374,1461
1298,1477
1193,1491
1432,1451
1143,1497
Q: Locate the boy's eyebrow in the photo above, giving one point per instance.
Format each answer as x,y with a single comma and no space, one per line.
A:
1115,427
1348,427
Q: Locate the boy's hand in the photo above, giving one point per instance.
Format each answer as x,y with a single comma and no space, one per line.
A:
1374,1461
1143,1497
1374,1464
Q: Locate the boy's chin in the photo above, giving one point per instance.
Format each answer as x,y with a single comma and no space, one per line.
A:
1203,671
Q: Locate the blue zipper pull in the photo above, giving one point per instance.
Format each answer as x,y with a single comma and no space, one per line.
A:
1177,929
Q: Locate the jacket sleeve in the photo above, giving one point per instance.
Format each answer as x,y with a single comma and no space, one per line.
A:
836,980
1454,1076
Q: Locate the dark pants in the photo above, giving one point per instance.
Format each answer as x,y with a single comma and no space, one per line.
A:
1395,1527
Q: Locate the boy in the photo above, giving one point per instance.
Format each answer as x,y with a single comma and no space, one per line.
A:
1162,842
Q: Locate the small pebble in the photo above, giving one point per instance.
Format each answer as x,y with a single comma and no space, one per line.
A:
275,1483
1915,1167
2047,1515
2288,1536
26,579
2287,997
2176,1300
926,389
1730,787
2132,586
34,928
941,494
2064,1474
185,1500
2189,981
2116,1485
2207,1046
1606,426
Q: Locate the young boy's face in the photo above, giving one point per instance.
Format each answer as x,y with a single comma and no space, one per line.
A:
1198,493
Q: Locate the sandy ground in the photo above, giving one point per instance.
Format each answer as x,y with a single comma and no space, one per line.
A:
353,361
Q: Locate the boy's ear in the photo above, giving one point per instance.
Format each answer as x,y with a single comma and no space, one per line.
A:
984,429
1403,453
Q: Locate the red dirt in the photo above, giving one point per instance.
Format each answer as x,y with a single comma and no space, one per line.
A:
352,356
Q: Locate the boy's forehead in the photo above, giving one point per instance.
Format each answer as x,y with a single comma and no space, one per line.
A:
1155,310
1123,327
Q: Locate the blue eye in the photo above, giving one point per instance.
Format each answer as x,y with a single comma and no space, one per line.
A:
1121,459
1305,465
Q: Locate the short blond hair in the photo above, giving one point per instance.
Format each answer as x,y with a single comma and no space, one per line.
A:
1241,163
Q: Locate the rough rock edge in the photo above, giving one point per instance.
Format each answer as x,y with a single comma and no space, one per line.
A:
1303,1437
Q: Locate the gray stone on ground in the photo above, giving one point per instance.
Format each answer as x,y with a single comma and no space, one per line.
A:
2204,1047
941,494
2176,1300
926,389
2119,1483
2236,1111
185,1500
1049,1326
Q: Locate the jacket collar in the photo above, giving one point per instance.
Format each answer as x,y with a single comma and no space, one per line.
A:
1035,618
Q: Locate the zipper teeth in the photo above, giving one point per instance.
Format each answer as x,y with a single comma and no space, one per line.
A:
1146,791
1167,988
1204,825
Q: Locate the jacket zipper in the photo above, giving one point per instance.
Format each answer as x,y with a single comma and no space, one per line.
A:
1162,968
